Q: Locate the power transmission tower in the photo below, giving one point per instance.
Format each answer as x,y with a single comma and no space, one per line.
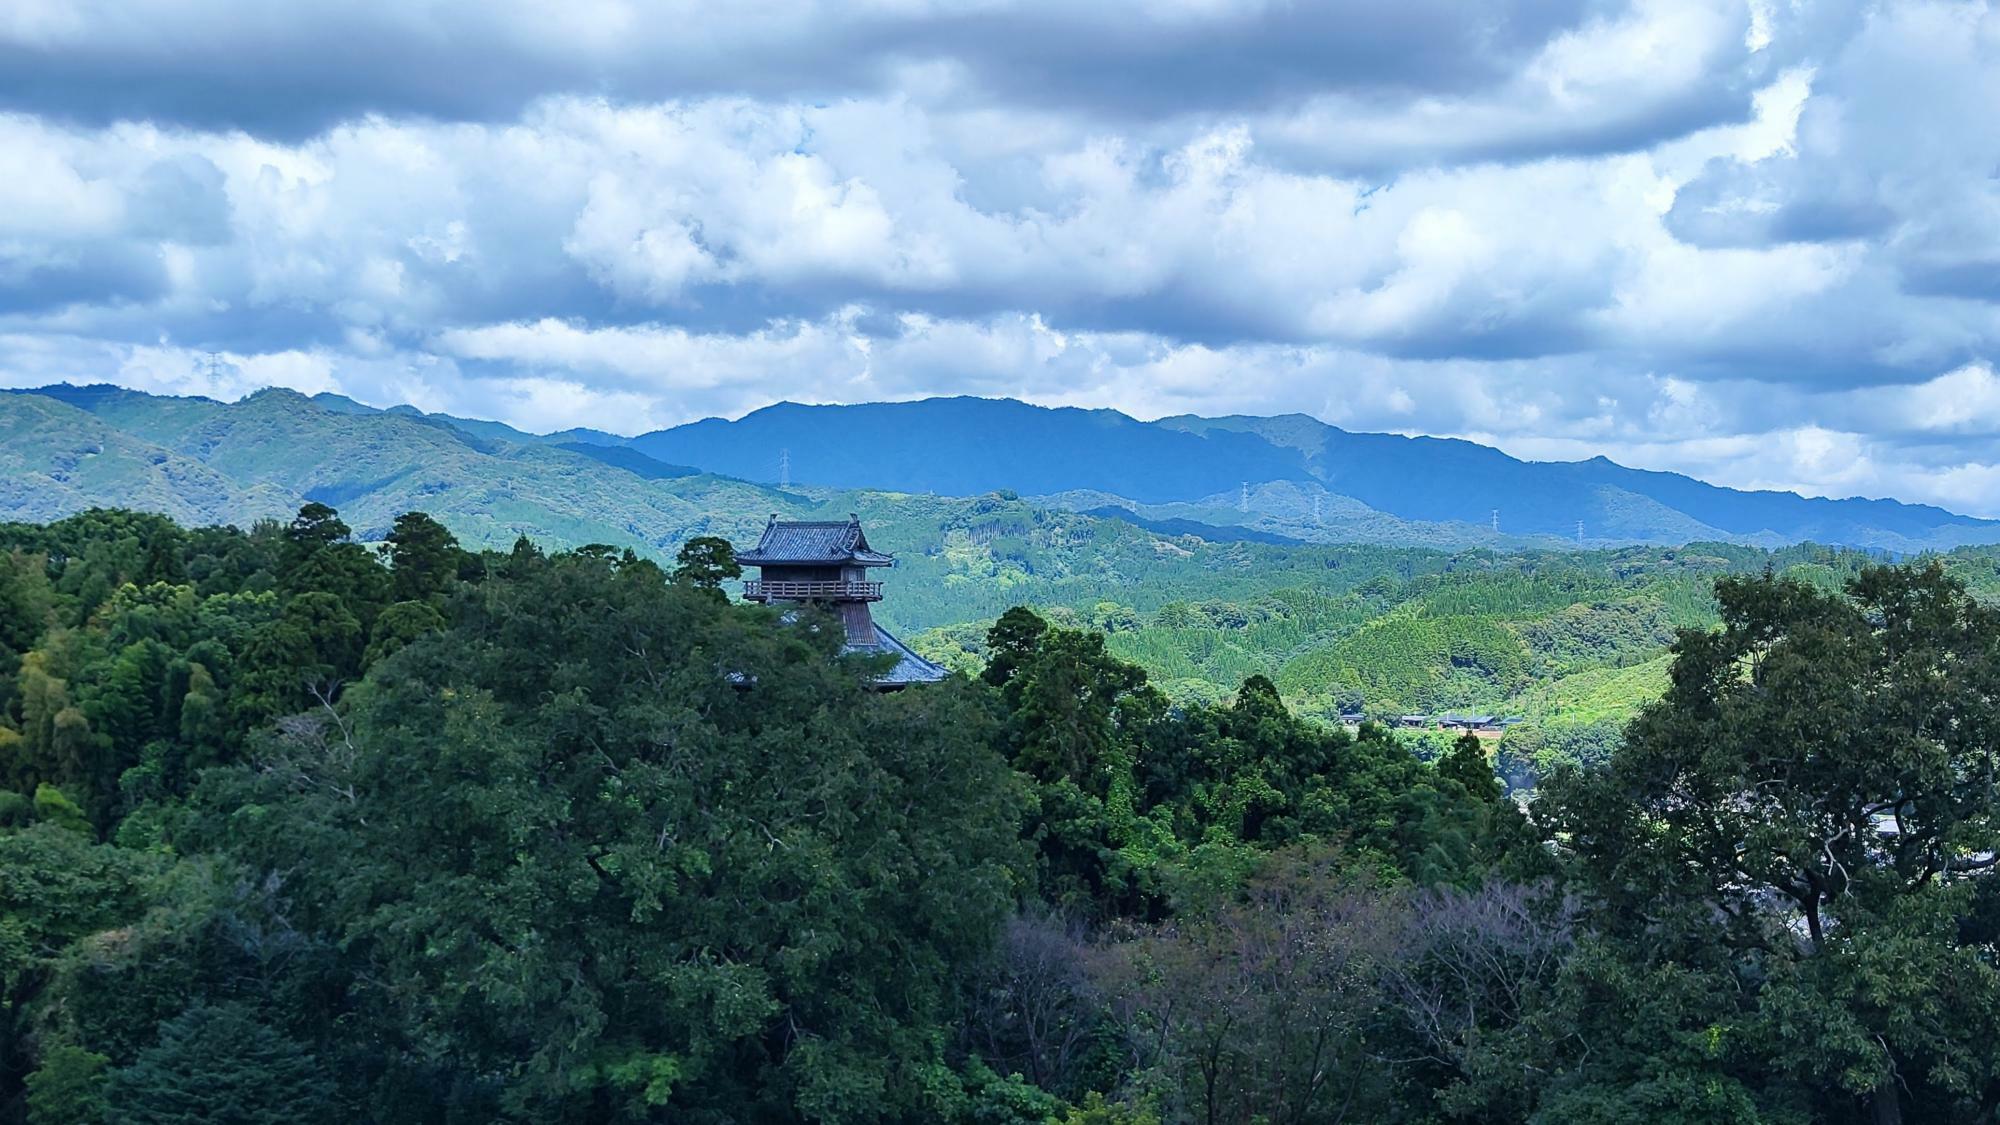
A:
1243,502
1579,533
784,468
1316,499
1496,521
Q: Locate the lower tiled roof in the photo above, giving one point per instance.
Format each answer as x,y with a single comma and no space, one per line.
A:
910,668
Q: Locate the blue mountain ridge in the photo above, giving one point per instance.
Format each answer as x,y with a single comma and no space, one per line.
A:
961,446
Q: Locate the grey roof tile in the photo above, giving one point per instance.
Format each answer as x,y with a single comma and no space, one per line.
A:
910,668
808,542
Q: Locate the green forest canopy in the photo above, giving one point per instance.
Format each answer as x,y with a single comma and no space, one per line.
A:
296,830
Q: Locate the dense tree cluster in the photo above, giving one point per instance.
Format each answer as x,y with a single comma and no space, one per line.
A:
294,829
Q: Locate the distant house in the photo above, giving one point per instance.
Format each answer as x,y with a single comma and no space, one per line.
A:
826,563
1483,725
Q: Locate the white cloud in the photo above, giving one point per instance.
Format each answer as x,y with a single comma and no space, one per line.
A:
1964,401
662,359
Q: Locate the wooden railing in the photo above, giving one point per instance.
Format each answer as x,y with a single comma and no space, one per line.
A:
757,590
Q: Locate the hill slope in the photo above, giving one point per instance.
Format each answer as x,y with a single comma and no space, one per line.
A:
208,462
56,460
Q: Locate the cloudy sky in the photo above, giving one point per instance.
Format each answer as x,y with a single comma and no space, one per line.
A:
1755,241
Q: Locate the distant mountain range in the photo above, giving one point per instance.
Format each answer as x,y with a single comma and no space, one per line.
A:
1270,479
966,445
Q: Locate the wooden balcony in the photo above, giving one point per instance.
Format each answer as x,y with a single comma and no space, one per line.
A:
760,590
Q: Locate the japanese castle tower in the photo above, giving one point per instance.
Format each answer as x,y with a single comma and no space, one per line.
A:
826,562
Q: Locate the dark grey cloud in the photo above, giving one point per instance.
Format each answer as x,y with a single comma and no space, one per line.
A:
1077,56
289,76
1976,279
1732,204
290,72
60,277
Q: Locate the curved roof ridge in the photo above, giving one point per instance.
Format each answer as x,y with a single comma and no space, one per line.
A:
813,543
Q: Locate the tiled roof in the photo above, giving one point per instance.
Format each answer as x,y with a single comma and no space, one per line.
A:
811,542
910,668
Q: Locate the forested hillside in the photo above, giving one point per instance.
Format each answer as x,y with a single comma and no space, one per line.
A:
1571,643
1405,617
295,830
